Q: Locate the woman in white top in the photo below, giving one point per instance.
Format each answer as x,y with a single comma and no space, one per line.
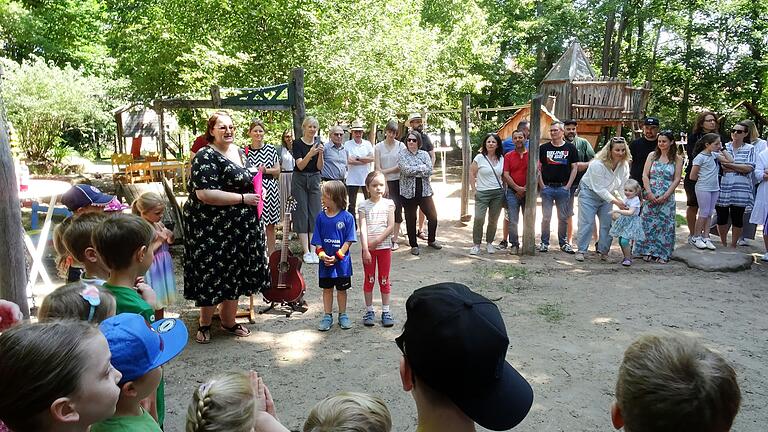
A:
760,211
601,187
485,178
287,163
386,157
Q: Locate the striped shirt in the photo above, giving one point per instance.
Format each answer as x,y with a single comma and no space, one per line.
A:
736,189
376,215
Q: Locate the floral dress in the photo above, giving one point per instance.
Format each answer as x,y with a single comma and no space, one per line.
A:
224,251
659,219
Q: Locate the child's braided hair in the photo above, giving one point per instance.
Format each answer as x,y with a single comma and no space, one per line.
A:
224,403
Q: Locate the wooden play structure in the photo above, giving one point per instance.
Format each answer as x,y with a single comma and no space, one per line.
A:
572,91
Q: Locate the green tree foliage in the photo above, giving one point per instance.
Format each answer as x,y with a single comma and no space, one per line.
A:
44,100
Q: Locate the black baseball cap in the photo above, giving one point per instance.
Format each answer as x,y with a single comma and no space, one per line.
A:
456,342
651,121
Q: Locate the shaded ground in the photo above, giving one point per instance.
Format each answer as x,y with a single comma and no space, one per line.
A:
568,324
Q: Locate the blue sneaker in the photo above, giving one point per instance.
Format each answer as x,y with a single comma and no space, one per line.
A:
344,321
368,318
326,322
387,320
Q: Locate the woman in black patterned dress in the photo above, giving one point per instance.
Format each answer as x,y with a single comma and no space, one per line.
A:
263,157
224,254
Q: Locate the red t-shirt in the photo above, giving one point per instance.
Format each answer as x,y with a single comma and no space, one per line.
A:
199,143
517,166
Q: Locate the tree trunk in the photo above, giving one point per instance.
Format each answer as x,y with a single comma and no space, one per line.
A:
619,36
607,40
685,103
652,64
13,275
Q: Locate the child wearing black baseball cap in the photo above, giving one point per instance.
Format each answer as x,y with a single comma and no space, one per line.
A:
138,352
454,345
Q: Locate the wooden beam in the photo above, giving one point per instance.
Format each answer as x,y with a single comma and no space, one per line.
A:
531,182
466,159
13,275
299,110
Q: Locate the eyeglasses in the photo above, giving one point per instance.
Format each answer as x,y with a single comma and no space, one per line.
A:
738,131
411,140
338,134
225,128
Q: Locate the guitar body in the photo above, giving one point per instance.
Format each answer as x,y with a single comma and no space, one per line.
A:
287,283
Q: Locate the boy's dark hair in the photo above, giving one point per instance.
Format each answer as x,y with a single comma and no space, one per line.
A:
77,237
338,193
40,363
673,383
119,237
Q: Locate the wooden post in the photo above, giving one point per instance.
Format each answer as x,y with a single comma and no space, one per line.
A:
215,96
13,275
299,111
531,181
466,159
161,129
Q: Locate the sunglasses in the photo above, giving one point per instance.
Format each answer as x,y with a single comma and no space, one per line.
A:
738,131
618,139
411,140
338,134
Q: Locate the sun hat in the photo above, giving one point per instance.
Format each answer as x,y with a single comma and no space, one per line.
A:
414,116
138,348
456,342
83,195
357,125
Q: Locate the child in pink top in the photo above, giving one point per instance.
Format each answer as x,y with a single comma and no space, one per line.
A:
377,221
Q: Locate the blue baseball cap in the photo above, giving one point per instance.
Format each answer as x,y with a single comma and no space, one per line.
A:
83,195
138,348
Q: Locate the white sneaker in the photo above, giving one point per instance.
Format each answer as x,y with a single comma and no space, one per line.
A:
308,258
708,243
490,248
742,242
474,250
699,243
579,256
691,240
765,257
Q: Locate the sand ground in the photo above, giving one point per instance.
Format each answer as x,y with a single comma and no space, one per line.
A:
568,325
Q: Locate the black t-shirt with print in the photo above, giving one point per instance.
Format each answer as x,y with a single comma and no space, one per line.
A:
557,162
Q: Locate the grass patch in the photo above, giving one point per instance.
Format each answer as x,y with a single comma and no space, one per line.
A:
552,312
680,221
507,277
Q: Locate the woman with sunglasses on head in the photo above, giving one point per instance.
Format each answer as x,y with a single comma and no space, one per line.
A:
706,122
736,190
224,255
661,175
416,191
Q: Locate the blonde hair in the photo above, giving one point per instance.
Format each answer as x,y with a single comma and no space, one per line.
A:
224,403
67,302
337,192
604,155
633,184
349,412
63,256
673,383
146,201
308,121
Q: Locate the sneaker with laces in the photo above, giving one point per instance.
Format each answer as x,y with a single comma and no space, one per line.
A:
579,257
435,245
699,243
369,318
514,250
503,244
395,246
692,240
708,243
543,247
474,250
415,251
491,249
326,322
387,320
308,258
742,242
344,321
567,249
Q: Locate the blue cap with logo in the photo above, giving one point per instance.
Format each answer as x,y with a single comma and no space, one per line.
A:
138,348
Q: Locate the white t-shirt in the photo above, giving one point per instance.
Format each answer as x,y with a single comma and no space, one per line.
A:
389,158
634,204
486,179
356,173
708,171
376,219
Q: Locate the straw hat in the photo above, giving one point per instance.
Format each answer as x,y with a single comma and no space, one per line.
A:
357,125
414,116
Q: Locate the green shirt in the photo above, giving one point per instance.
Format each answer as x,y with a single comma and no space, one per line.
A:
128,300
139,423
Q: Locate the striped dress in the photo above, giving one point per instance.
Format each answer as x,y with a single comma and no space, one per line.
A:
267,156
737,189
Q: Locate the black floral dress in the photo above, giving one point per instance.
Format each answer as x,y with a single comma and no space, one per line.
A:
224,251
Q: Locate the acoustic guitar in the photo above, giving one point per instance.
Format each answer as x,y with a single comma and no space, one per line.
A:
287,284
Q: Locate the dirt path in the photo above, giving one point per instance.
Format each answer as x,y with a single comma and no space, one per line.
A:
568,325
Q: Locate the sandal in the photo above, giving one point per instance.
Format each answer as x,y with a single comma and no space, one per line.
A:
203,335
422,235
237,330
647,258
660,261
